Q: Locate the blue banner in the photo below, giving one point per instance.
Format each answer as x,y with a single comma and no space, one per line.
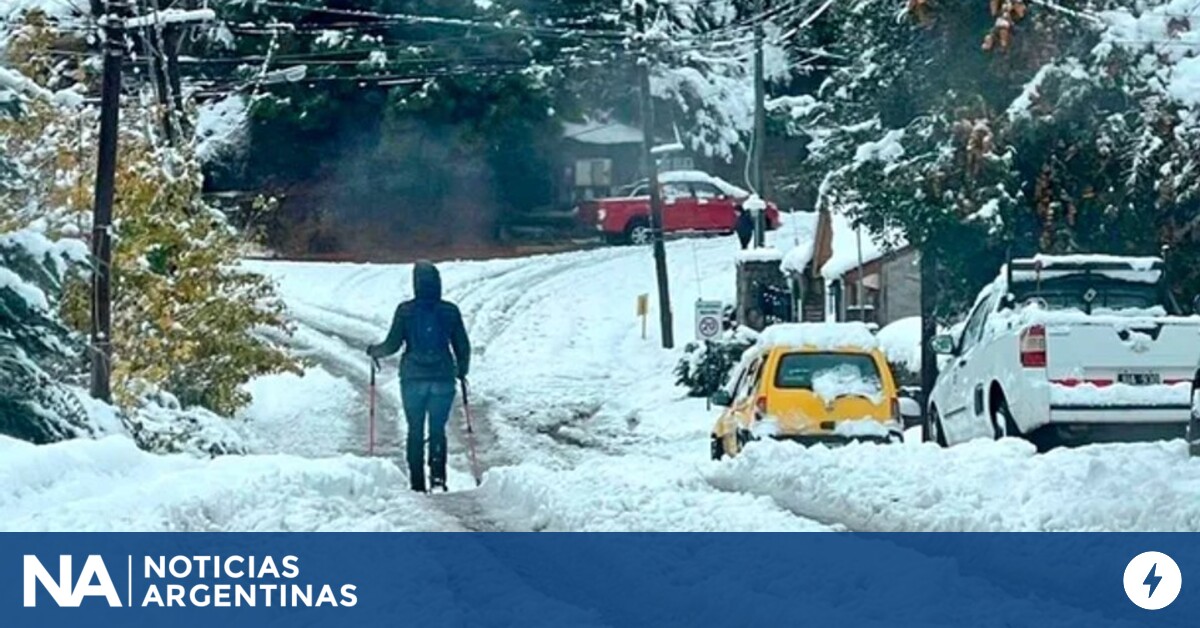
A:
695,580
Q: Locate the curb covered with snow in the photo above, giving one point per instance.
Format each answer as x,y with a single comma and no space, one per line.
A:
111,485
978,486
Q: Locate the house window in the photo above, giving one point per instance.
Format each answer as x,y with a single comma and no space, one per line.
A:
593,173
867,310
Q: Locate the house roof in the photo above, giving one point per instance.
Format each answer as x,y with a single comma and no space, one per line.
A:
831,244
598,132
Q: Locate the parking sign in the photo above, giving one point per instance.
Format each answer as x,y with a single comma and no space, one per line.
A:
708,319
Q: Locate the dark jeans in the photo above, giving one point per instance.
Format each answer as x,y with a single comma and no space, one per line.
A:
426,400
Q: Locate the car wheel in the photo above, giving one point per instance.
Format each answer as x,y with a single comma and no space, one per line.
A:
718,448
639,233
1002,420
933,428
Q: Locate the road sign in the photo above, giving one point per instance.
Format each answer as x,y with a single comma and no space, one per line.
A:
643,308
708,319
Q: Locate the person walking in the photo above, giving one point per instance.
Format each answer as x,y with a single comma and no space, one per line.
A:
744,226
436,352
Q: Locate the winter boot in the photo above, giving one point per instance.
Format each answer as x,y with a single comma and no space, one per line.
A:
417,479
437,475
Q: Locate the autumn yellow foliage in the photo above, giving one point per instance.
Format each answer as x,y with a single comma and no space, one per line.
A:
186,317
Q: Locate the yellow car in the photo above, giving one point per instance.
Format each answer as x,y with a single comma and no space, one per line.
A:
810,382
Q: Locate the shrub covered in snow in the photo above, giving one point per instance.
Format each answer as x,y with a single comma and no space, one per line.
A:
159,424
185,314
705,367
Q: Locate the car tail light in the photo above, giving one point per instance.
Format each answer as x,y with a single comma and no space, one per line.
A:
895,409
760,407
1033,347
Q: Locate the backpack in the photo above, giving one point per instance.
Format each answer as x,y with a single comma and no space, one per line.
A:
427,337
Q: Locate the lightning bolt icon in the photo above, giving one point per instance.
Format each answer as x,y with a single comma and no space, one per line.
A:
1152,580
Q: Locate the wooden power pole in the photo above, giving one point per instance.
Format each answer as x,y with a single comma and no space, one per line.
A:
656,217
102,209
928,331
760,127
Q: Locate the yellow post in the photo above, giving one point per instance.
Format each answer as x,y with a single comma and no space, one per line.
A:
643,308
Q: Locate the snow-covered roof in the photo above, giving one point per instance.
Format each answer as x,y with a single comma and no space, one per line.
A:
818,336
802,228
686,176
844,256
597,132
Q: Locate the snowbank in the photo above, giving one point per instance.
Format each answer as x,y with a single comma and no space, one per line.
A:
901,342
978,486
111,485
301,415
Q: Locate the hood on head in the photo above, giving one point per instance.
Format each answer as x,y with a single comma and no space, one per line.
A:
427,283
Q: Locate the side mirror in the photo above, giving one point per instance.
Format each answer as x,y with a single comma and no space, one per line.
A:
721,398
943,344
910,412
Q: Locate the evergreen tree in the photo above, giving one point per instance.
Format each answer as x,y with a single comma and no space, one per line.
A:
972,129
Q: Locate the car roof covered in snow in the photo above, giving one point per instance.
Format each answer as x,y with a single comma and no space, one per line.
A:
818,337
694,176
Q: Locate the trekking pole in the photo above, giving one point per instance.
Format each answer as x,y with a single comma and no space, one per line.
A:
470,433
371,411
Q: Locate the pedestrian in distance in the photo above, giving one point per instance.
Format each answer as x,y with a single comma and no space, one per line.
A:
744,226
436,352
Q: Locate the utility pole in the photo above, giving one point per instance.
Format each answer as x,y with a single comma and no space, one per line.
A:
760,132
106,172
928,331
656,217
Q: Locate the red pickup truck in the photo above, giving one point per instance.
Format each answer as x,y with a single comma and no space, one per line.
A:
693,201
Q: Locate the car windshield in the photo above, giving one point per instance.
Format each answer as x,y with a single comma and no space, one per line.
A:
851,371
1089,293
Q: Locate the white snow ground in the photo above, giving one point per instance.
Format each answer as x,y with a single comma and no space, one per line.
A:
581,428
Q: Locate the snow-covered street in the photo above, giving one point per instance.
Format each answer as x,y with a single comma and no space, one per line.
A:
581,427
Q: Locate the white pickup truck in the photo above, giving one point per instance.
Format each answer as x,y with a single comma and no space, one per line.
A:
1068,350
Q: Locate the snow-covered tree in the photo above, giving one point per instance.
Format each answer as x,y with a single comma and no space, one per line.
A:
37,351
972,128
185,317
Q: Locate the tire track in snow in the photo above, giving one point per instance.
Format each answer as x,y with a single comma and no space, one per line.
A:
566,377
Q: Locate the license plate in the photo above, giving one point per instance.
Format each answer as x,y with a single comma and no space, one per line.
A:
1139,379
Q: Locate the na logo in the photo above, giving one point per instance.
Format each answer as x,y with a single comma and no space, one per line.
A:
93,581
